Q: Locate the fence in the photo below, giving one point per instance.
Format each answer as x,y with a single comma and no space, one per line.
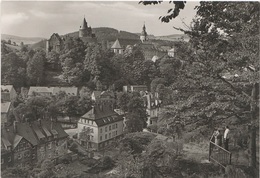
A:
218,154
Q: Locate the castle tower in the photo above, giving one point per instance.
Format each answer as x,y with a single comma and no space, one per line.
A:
84,30
143,36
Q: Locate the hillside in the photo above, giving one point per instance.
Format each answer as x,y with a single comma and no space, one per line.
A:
111,34
18,39
174,37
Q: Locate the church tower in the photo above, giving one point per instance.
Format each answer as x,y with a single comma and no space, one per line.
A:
143,36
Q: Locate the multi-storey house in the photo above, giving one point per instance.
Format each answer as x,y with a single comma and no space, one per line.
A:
103,97
29,142
8,93
102,125
135,88
152,103
48,91
5,112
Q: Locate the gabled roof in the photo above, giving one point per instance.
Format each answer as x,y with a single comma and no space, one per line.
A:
53,90
67,90
171,50
5,107
96,93
116,45
102,115
6,88
32,132
40,90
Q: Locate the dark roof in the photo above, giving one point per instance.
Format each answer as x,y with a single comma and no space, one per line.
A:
102,114
32,132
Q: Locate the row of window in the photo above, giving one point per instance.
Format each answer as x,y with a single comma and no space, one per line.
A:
8,160
87,121
26,155
114,126
109,135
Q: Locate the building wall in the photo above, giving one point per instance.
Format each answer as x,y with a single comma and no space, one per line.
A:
51,149
110,131
4,117
24,153
6,160
101,134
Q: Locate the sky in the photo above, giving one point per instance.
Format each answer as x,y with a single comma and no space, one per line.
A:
43,18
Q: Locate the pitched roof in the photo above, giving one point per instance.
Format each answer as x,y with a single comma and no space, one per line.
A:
102,115
96,93
53,90
40,90
5,107
67,90
171,50
32,132
84,24
6,88
116,45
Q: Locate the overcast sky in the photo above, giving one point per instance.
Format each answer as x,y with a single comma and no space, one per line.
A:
41,19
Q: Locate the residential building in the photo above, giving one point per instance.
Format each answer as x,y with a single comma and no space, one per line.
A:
171,52
29,142
8,93
103,96
135,88
5,111
48,91
101,125
152,103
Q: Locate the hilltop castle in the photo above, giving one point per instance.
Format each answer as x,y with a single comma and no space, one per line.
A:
56,42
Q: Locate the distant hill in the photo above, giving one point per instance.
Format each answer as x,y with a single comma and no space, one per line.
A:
108,34
111,34
174,37
18,39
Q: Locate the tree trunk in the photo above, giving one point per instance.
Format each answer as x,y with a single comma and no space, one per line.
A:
252,128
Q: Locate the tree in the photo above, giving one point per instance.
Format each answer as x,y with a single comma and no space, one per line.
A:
13,70
35,68
223,42
136,115
71,59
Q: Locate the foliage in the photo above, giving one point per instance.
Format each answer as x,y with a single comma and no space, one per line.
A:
13,69
35,68
172,13
71,59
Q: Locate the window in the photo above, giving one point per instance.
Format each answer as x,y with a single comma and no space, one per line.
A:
113,126
110,127
33,156
105,129
91,122
49,145
109,135
100,130
116,132
116,126
19,156
88,121
106,136
100,138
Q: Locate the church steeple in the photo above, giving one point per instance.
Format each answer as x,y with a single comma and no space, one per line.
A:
143,36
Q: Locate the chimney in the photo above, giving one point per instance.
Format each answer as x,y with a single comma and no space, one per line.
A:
15,126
